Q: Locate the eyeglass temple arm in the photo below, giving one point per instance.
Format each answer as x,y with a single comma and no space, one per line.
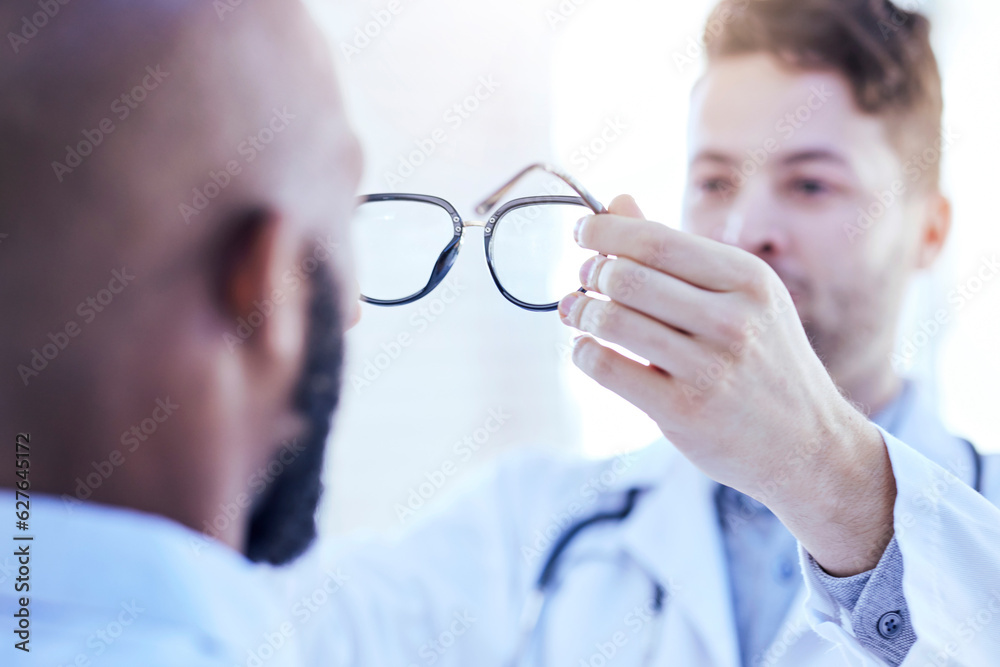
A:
490,202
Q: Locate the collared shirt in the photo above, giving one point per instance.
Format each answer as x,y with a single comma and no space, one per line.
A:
763,555
182,599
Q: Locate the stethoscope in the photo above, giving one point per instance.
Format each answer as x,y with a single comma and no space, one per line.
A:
902,414
535,604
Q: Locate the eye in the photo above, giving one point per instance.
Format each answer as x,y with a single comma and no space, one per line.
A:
810,187
715,186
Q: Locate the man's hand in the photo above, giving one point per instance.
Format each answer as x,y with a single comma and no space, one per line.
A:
732,380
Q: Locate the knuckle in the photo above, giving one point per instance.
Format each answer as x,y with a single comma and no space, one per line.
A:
623,278
607,275
590,230
601,318
755,277
597,359
729,325
657,249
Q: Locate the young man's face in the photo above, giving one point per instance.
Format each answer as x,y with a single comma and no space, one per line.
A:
782,164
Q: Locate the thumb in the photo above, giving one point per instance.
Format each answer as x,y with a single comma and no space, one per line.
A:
625,206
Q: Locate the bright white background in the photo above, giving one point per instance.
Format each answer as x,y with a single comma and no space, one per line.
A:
557,79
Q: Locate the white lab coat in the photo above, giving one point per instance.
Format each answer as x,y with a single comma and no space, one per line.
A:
452,591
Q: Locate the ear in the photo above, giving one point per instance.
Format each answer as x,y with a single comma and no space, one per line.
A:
268,319
937,226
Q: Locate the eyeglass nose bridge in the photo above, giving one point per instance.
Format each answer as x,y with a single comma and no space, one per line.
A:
487,226
462,225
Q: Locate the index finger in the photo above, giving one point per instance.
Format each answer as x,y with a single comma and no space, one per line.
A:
694,259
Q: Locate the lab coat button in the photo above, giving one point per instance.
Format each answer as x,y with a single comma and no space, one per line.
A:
890,625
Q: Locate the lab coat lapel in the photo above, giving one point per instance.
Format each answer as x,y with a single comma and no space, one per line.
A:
674,533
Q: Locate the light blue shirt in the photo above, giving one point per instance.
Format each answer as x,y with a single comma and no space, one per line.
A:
114,587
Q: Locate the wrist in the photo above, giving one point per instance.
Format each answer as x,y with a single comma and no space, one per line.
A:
841,508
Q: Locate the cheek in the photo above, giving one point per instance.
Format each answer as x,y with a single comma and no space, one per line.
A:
886,239
843,256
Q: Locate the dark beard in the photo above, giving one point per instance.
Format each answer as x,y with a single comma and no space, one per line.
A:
283,521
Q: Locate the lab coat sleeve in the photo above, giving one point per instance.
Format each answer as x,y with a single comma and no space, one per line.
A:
880,616
450,589
949,538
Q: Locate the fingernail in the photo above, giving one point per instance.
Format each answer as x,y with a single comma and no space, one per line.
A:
578,227
587,272
566,306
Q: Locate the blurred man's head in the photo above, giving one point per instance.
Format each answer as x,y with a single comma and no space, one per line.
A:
815,143
175,281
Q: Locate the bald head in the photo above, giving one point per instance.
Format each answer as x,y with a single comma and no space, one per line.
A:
165,173
115,113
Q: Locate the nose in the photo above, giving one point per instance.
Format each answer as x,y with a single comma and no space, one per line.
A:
753,223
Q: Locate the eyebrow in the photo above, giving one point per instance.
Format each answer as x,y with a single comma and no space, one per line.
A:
712,156
815,155
799,157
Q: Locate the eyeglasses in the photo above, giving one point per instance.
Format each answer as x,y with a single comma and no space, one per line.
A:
407,243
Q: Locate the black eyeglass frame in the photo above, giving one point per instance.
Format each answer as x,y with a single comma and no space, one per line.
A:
450,252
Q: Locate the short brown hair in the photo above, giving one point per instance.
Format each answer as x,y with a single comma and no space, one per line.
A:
883,51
